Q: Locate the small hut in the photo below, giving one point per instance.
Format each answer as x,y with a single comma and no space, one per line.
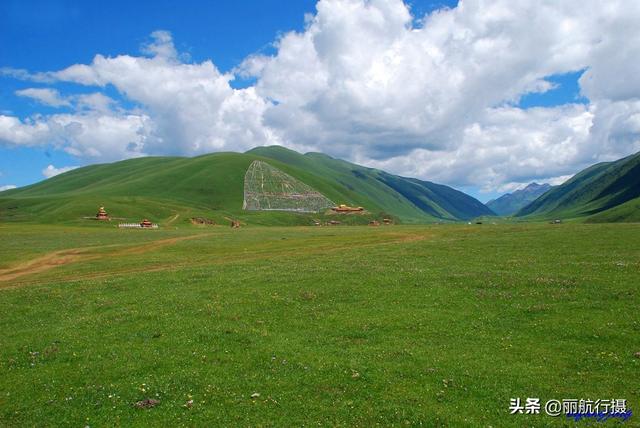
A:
102,214
146,223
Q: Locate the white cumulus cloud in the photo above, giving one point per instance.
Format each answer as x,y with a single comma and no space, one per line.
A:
46,96
52,171
193,107
93,136
437,99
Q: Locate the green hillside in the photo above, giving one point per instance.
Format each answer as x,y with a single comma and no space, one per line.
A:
627,212
408,198
173,189
597,189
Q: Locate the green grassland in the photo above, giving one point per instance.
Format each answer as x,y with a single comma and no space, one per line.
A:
404,325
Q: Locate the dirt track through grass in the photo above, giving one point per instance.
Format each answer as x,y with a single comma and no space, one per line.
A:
41,264
75,255
86,254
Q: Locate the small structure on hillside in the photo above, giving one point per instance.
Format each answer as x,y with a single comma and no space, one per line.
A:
387,221
342,208
374,223
102,214
333,223
144,224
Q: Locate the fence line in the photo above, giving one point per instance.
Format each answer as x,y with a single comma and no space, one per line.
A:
135,226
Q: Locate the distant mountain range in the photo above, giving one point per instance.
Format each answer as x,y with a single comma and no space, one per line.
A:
211,186
607,191
510,203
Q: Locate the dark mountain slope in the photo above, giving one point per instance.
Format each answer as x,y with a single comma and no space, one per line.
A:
596,189
510,203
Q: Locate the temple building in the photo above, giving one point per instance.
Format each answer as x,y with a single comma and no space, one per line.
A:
342,208
102,214
146,223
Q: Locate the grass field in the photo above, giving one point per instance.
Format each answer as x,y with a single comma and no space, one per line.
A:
405,325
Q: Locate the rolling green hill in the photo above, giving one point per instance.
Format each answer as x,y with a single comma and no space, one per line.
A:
170,189
407,198
511,203
593,192
627,212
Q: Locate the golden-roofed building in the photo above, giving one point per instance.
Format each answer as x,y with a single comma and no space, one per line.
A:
342,208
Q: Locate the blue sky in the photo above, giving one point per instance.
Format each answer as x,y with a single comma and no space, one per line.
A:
565,90
52,34
462,95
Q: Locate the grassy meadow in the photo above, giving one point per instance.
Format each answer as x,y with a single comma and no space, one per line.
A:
299,326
